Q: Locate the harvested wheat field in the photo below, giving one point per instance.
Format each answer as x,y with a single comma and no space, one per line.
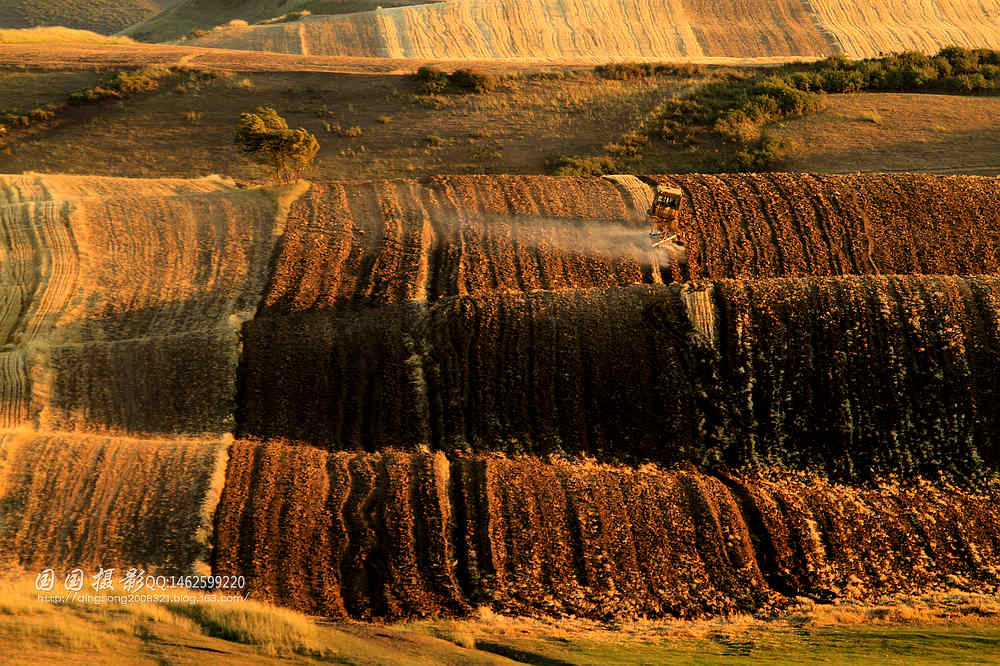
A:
122,300
72,500
635,29
392,535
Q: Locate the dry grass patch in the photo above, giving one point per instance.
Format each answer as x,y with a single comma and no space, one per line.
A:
58,35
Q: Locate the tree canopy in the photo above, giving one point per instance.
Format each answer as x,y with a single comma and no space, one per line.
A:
266,138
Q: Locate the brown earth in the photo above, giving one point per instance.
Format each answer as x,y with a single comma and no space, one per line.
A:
896,132
484,314
392,535
107,312
390,241
764,225
71,500
89,56
853,376
631,29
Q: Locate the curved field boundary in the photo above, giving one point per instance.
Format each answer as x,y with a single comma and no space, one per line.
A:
71,500
112,274
395,535
857,376
627,29
541,29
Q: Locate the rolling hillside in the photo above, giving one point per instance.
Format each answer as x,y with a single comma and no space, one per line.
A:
187,16
103,16
395,399
631,29
371,537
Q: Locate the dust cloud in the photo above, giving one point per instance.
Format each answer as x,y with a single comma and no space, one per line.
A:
604,239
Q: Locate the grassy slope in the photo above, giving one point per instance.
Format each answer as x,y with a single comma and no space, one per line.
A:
897,132
515,130
32,632
104,16
190,15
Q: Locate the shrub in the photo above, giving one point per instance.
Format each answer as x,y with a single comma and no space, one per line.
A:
763,154
265,137
432,80
145,79
968,83
41,115
93,95
620,71
680,69
15,119
572,165
471,80
337,129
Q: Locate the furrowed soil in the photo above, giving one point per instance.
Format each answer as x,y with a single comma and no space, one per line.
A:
679,29
908,368
468,391
393,534
113,320
89,501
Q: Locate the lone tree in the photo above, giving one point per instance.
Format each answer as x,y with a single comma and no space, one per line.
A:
265,137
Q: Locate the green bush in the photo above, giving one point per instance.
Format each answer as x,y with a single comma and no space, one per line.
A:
572,165
145,79
93,95
764,154
265,137
629,71
969,83
680,69
337,129
470,80
41,115
432,80
624,71
15,119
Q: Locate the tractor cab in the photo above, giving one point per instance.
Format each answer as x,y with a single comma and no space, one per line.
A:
664,216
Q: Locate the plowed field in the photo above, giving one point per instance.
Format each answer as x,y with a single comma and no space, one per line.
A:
99,502
391,241
847,375
394,535
468,391
633,29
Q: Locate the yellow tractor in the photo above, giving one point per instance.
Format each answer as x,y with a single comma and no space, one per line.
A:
664,217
